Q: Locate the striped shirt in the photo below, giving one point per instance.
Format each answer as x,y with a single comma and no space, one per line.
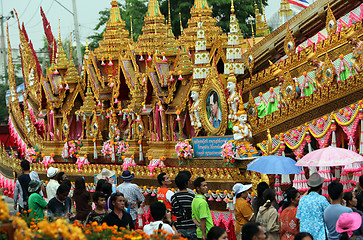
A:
181,207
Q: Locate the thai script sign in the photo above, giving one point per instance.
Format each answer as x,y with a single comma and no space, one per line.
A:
209,146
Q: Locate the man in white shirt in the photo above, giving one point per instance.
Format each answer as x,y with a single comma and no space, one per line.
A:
53,184
158,212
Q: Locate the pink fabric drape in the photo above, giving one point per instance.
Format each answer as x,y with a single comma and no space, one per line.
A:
51,126
76,128
157,123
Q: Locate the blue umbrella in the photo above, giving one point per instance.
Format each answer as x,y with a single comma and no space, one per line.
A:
274,165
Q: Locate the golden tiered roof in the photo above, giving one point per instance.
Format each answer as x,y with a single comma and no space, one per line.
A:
261,26
200,12
62,61
114,36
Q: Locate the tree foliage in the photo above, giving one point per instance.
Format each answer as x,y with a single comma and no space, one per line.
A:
138,8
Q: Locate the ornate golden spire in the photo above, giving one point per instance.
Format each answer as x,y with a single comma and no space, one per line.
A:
62,60
169,16
181,25
153,9
232,7
132,31
114,36
12,82
72,75
261,27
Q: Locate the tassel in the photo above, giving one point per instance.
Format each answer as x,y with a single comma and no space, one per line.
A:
116,100
56,71
110,62
60,85
84,117
124,117
119,112
171,76
180,76
149,57
67,86
77,117
95,156
141,57
65,150
99,103
164,58
143,78
141,156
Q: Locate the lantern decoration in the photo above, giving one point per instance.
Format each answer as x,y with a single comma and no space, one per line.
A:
149,57
110,61
67,86
141,57
180,76
60,85
171,76
56,70
164,58
103,62
177,115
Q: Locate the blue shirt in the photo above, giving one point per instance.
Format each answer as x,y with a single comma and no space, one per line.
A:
331,215
310,212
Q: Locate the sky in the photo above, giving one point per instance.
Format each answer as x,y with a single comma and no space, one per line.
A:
29,13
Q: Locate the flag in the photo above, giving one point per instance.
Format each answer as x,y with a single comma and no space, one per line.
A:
299,3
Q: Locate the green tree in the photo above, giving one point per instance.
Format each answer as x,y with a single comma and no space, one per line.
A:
221,10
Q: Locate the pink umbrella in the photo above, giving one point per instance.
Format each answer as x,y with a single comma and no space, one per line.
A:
330,156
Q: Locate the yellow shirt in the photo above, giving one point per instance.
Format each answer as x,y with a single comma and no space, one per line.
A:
243,213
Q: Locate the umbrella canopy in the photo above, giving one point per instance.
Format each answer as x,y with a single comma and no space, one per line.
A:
274,165
330,156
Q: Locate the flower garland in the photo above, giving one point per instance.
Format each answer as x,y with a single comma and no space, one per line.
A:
33,155
229,152
71,149
184,150
120,149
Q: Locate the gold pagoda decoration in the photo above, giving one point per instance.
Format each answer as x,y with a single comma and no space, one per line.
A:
285,12
261,26
115,36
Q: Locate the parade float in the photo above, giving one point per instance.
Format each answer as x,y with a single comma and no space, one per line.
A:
202,102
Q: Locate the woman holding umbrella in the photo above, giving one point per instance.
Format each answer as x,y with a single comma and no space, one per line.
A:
243,211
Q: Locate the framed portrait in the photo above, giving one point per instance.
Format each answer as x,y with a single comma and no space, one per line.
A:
213,104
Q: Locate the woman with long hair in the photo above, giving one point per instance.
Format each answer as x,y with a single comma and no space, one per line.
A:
289,223
82,198
258,201
217,233
267,215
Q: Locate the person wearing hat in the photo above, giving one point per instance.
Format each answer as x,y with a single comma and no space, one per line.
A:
347,223
36,202
53,184
311,208
131,192
243,210
335,209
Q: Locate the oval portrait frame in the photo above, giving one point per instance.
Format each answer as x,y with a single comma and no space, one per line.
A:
213,83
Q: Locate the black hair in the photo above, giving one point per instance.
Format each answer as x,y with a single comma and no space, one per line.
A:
291,194
239,195
79,186
215,97
25,165
344,236
302,235
158,210
261,187
114,196
99,184
361,180
215,233
68,183
198,182
187,173
98,195
161,178
249,230
60,177
268,197
315,189
63,188
335,189
348,196
181,181
106,189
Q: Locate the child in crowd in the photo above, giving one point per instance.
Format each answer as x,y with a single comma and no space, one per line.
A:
99,212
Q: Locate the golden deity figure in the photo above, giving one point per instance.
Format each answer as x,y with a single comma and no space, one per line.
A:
234,97
357,60
194,110
242,134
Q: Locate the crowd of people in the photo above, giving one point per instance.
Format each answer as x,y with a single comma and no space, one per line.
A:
309,216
